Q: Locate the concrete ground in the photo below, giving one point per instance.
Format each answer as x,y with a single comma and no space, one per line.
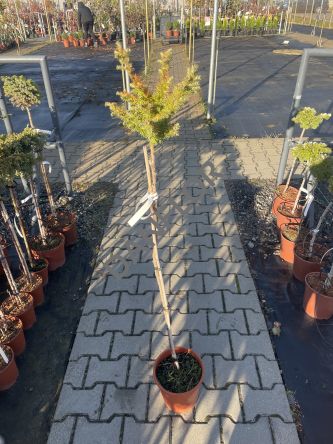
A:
108,394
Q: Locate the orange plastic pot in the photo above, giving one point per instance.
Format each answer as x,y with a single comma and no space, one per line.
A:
286,247
56,256
278,199
9,374
17,342
82,43
35,289
179,402
168,33
66,43
176,34
282,218
315,304
302,267
26,314
43,273
75,43
69,231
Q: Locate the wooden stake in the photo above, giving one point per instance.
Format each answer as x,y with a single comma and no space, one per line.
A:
40,222
8,273
48,190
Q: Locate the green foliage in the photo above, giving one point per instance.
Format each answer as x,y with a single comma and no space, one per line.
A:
176,25
150,112
311,153
22,92
232,24
80,35
168,26
307,118
202,25
19,153
323,171
64,36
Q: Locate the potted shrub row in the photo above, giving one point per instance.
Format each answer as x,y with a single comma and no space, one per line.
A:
77,39
172,29
178,371
300,246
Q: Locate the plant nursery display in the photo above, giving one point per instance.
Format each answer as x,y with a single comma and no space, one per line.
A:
148,112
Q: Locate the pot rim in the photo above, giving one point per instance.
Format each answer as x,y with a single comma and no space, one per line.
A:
18,330
165,354
31,302
279,208
59,234
315,291
46,262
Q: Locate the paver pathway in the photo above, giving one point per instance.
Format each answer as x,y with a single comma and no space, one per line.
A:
108,395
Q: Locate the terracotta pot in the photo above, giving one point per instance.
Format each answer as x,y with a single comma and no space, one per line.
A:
132,40
66,43
82,42
17,341
278,199
9,374
71,38
179,402
69,231
287,219
44,272
302,266
176,34
315,304
286,247
56,256
168,34
35,288
150,35
90,41
26,314
75,43
58,38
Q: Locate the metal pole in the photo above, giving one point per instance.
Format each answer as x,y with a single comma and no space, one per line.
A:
306,9
311,13
330,21
147,26
124,35
212,63
320,40
215,74
190,38
280,25
154,20
55,121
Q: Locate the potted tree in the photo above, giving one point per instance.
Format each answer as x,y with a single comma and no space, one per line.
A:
8,369
24,94
11,333
307,119
132,37
176,29
65,39
75,40
168,30
80,36
309,253
148,113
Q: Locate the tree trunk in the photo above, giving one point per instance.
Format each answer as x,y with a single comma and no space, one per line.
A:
9,276
294,163
48,190
151,177
41,226
298,196
30,118
316,230
16,242
22,225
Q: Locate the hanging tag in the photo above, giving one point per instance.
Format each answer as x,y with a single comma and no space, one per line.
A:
147,201
3,355
25,200
309,201
46,132
304,190
45,162
17,228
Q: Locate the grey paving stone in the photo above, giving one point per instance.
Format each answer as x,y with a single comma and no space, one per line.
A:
220,283
206,240
75,372
230,241
160,342
212,344
128,284
207,267
244,372
91,345
226,267
187,433
144,433
243,345
180,322
246,284
208,380
269,372
147,284
218,402
130,345
247,433
265,402
187,283
115,322
198,301
284,433
94,303
141,371
237,254
227,321
222,253
97,285
256,322
123,401
87,323
97,433
106,371
61,431
79,402
179,254
177,301
135,302
234,301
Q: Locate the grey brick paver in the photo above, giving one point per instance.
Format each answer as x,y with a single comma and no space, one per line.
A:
108,384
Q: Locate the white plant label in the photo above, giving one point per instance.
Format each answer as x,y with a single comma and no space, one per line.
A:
309,201
146,200
3,355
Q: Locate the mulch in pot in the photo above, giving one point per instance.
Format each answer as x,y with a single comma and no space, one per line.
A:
317,281
53,240
182,380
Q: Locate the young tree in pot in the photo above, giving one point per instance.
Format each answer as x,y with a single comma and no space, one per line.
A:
149,113
307,119
13,160
65,39
308,154
309,252
11,333
168,30
8,369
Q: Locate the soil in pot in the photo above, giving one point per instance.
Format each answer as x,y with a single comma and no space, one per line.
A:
53,250
303,264
40,268
35,288
179,388
11,334
23,309
280,197
65,223
285,215
317,301
8,371
289,234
